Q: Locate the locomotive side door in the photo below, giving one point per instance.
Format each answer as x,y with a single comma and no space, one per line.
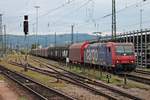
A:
108,55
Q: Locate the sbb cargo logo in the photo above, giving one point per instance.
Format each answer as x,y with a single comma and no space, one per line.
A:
92,55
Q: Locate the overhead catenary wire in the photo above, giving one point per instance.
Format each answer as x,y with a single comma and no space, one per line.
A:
108,15
57,8
122,9
70,13
50,11
86,3
132,5
135,24
74,11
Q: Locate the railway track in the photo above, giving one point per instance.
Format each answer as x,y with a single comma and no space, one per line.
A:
140,76
108,90
142,71
41,91
74,81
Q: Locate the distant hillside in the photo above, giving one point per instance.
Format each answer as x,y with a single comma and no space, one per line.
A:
46,40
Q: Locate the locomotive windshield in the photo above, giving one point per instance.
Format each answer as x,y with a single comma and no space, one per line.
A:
124,50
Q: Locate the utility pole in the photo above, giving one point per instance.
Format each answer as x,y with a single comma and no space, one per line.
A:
113,20
72,31
37,7
46,41
77,37
141,15
1,36
141,12
33,28
55,39
5,47
141,20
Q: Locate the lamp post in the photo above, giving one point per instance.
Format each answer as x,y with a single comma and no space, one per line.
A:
37,7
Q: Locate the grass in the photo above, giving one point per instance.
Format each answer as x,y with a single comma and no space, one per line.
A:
47,80
23,98
44,79
33,63
91,73
131,84
1,77
114,80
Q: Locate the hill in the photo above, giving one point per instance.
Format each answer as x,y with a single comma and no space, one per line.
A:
46,40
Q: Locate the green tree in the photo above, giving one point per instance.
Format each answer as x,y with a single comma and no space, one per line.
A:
33,46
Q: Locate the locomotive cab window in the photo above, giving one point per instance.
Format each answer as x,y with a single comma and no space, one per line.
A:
124,50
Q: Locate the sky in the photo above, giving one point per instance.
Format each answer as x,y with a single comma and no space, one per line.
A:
87,16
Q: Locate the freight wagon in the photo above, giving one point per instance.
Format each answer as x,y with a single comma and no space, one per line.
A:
58,52
76,52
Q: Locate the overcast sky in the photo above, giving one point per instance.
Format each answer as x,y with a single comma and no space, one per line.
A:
86,15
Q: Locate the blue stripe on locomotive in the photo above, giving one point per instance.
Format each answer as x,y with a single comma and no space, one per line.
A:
98,54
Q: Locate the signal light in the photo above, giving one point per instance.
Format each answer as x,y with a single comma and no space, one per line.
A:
25,17
25,25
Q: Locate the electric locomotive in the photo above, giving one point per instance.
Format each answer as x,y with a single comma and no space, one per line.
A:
115,56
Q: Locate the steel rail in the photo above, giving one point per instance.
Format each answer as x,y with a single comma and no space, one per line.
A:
38,89
94,82
138,78
142,71
69,79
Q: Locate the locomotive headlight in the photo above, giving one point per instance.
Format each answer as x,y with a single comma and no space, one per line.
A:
132,61
117,61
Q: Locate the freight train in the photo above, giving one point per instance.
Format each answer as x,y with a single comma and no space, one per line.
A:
119,57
